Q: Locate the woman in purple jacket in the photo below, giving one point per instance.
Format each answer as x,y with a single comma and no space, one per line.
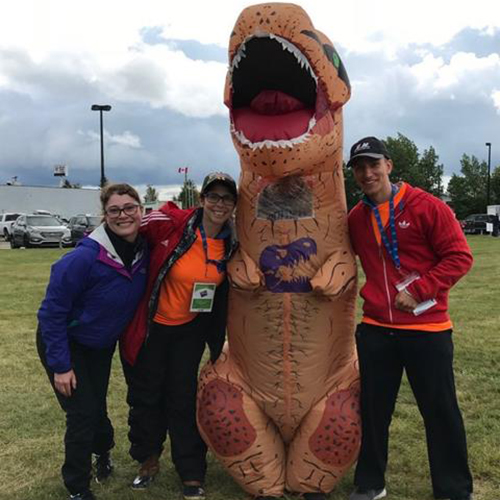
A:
92,295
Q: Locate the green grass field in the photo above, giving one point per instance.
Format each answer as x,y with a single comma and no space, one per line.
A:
32,425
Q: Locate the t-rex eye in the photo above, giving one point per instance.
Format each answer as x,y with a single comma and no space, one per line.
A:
332,55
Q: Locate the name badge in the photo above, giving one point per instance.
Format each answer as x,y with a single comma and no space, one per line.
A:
407,281
202,299
423,306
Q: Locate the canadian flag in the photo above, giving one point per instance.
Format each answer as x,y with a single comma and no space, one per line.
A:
183,169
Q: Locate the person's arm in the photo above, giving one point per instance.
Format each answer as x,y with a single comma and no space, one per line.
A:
218,321
448,241
68,281
156,226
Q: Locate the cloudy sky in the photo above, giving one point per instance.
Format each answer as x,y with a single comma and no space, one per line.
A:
428,69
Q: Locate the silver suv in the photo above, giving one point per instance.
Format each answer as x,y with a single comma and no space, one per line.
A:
6,221
39,230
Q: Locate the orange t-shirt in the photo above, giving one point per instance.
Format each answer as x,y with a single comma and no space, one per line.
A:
177,287
384,211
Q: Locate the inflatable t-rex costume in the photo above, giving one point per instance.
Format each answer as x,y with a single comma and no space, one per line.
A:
280,406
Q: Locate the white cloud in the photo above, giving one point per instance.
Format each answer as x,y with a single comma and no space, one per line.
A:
465,75
387,25
163,77
155,75
496,99
126,139
107,28
95,46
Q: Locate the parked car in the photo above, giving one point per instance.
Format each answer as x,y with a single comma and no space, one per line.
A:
82,225
476,223
6,221
39,230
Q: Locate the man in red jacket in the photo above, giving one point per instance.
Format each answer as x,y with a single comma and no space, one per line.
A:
412,251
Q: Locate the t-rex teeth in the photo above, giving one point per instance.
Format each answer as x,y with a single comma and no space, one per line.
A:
304,63
238,57
302,60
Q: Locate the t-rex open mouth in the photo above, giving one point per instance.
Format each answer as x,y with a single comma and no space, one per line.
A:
276,99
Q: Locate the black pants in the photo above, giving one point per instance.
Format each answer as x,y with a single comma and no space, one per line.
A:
427,359
162,396
88,428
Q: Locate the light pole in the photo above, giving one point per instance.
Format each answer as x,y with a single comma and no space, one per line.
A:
488,145
101,108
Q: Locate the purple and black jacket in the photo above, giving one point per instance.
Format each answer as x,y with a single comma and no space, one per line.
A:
91,297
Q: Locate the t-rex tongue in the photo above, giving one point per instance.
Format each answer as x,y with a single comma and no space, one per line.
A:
275,102
273,115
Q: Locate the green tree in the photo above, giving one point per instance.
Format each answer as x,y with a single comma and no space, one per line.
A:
430,172
423,171
352,191
404,156
69,185
495,187
151,195
468,191
457,190
189,195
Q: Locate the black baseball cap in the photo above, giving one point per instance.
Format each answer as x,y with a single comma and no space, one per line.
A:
220,178
368,146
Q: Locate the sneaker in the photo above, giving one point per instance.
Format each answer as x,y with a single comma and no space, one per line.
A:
360,494
147,472
103,467
314,496
193,492
84,495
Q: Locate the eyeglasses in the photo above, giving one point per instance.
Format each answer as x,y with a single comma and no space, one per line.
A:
214,198
115,212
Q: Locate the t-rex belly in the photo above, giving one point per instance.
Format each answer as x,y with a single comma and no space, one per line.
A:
290,350
289,343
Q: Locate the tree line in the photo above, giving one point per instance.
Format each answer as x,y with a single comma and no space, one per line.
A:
467,190
188,197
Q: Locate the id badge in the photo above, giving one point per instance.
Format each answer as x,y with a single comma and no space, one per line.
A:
407,281
423,306
203,296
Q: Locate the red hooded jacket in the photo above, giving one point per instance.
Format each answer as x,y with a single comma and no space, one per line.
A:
431,243
170,232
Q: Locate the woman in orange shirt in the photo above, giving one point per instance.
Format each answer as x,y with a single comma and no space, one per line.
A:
183,309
